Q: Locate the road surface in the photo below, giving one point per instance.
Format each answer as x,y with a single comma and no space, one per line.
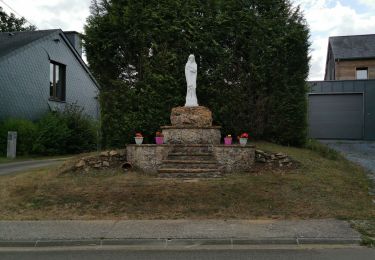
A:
225,254
14,167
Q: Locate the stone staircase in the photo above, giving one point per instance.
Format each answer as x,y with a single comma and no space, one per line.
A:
190,161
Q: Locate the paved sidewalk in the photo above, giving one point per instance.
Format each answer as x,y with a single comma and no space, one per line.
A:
176,232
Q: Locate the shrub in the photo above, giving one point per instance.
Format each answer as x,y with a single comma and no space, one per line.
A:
66,132
52,135
26,132
83,130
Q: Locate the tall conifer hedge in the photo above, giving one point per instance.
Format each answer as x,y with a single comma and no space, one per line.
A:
252,60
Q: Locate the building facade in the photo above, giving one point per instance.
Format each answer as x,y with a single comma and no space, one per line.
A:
42,71
342,109
351,57
343,105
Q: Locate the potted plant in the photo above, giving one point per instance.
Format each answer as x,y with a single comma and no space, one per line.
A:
159,138
243,138
228,140
138,138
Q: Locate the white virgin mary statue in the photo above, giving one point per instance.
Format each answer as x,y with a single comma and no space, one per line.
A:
191,80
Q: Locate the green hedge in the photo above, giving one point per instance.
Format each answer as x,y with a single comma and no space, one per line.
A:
252,56
65,132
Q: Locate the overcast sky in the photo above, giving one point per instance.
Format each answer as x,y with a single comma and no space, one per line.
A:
325,18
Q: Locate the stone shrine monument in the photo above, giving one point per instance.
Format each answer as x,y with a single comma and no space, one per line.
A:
191,124
191,71
192,144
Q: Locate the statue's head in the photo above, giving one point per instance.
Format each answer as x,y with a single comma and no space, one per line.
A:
191,58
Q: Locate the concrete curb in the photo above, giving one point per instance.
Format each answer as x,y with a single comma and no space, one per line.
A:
165,242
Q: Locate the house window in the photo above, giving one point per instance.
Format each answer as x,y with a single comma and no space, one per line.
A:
57,76
362,73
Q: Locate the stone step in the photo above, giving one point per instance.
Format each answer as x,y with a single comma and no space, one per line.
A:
191,164
187,170
190,161
191,157
192,149
190,154
191,175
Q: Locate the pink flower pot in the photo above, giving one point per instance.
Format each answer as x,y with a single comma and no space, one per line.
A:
227,140
159,140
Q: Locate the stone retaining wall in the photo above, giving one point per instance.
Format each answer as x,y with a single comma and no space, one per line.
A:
235,158
232,158
147,157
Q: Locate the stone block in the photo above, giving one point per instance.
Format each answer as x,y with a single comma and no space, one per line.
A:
191,135
147,157
234,158
191,116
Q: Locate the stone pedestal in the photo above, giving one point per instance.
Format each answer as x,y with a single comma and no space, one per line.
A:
191,135
191,125
191,116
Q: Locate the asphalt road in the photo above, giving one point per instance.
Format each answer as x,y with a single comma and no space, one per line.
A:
10,168
257,254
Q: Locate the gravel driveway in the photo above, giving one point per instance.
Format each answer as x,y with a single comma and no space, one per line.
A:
361,152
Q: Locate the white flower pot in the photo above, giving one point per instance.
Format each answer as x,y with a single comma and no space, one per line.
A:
243,141
138,140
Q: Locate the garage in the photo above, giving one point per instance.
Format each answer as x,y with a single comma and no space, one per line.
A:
336,116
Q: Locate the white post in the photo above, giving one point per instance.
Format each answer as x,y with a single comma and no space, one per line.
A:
12,145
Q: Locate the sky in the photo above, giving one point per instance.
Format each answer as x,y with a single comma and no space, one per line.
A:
324,17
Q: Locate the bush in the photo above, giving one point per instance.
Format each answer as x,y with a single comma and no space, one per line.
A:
52,135
26,132
83,130
66,132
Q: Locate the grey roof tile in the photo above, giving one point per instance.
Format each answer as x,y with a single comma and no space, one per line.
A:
11,41
353,47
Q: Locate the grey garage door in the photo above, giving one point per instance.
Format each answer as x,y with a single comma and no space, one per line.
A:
336,116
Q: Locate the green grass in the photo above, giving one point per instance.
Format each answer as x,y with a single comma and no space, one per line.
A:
319,188
323,150
367,229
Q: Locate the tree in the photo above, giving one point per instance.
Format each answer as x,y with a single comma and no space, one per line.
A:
252,60
10,23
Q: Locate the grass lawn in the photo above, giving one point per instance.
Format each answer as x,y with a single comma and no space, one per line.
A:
318,188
